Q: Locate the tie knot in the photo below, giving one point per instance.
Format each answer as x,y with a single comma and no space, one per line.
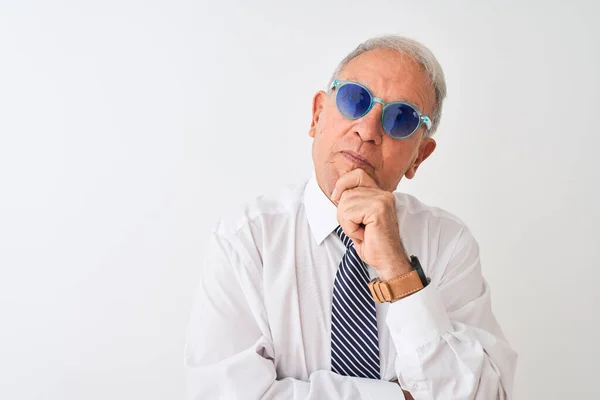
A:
345,239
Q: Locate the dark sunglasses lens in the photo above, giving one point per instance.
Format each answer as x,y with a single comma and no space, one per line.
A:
353,101
400,120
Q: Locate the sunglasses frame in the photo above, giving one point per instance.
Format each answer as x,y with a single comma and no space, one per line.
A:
423,119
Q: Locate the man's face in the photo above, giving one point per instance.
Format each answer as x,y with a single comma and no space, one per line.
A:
391,77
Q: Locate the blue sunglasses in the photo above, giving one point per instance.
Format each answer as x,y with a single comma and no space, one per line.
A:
399,119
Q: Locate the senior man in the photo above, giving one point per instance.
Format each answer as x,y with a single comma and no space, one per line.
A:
340,287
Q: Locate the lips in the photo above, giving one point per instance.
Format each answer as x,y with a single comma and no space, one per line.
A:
357,158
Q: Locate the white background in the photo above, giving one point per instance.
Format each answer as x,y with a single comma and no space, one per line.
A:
128,127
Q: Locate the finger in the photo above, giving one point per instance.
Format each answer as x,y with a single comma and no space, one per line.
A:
355,178
351,218
354,231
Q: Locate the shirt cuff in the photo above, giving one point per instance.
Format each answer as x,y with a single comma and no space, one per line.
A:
373,389
417,319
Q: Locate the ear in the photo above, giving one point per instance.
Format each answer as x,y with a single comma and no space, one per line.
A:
426,147
318,104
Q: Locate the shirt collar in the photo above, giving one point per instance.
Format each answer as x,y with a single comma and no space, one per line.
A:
320,211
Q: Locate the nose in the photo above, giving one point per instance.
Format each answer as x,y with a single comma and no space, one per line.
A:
369,126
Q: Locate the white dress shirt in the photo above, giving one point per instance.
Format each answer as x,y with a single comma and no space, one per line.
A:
260,327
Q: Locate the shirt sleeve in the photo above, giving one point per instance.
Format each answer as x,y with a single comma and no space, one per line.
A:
448,343
229,353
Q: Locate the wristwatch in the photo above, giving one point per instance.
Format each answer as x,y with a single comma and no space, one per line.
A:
402,286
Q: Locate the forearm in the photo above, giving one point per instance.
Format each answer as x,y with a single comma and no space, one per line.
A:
440,358
229,349
250,374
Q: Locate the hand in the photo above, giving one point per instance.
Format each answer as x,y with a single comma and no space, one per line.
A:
367,214
407,394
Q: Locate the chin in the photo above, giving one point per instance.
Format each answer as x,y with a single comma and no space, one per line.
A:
327,178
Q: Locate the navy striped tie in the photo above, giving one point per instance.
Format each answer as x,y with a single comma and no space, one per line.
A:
354,343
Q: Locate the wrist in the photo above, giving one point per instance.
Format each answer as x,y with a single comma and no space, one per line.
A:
392,285
394,270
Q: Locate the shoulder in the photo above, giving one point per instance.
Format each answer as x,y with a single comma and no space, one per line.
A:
246,225
281,201
436,235
414,210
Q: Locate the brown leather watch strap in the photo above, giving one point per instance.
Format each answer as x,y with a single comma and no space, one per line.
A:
397,288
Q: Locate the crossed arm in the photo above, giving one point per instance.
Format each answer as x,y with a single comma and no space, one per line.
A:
447,340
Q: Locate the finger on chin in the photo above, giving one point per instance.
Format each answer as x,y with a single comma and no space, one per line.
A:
353,179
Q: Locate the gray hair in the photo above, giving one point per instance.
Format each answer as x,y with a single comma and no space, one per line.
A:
416,51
